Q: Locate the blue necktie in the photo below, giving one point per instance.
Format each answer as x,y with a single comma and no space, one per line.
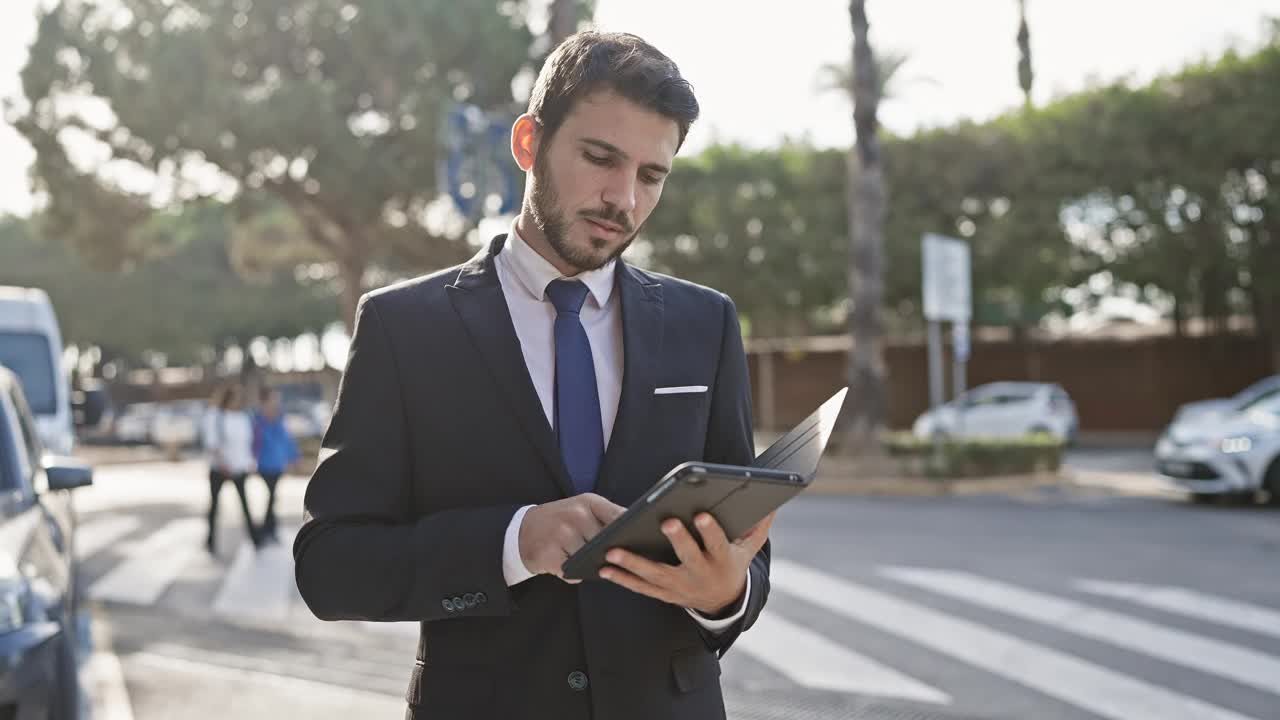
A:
577,411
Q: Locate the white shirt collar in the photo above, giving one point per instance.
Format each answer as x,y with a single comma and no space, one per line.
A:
535,272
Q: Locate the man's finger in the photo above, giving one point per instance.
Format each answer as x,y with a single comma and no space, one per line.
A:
758,534
713,537
651,572
685,546
605,511
636,584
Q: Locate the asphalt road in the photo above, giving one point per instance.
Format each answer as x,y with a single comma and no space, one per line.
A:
1058,604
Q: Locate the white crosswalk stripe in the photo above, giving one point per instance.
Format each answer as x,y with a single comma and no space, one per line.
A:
1070,679
1175,646
95,536
1190,603
811,660
259,584
155,563
786,647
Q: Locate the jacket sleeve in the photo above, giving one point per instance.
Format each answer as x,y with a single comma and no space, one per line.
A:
730,441
361,553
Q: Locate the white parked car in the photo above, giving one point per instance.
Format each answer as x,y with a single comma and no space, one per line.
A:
31,346
1004,409
133,424
1226,406
177,424
305,419
1232,454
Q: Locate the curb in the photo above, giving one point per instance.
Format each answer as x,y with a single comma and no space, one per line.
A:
837,484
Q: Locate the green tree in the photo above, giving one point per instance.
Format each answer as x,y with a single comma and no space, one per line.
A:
333,109
766,226
183,301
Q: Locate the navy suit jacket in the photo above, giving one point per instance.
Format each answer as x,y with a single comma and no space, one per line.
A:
438,437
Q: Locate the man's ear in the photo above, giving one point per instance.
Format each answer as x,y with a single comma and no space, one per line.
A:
524,141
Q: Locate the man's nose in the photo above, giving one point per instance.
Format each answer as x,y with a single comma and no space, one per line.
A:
620,192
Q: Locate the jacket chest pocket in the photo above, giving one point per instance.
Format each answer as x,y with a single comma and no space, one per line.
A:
678,426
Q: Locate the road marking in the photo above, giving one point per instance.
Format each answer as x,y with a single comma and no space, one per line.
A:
813,661
157,562
400,629
93,536
259,584
102,679
1095,688
1190,603
1207,655
252,671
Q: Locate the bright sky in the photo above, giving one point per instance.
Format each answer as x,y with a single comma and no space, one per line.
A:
756,70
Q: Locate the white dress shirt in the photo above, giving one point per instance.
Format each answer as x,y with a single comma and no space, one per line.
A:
524,276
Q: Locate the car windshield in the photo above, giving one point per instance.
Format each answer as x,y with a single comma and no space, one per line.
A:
28,356
1269,403
1260,390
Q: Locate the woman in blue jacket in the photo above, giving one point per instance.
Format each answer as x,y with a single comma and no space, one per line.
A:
276,452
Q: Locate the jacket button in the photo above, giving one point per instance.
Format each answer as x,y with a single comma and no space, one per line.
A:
577,681
447,604
469,600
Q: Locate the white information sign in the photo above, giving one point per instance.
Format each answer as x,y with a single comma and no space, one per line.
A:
947,293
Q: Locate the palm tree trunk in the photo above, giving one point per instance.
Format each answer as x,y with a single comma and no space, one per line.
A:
564,20
868,197
1024,54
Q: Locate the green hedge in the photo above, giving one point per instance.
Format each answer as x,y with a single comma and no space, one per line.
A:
975,456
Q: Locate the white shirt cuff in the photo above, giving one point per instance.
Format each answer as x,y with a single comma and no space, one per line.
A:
723,624
513,569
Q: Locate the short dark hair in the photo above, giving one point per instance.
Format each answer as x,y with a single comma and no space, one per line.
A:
591,61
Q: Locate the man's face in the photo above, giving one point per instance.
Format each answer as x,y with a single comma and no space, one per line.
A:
600,176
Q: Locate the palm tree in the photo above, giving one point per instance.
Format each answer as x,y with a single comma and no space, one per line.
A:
868,198
1024,53
838,77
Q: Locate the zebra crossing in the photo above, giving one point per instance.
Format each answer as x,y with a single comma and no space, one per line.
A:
1075,646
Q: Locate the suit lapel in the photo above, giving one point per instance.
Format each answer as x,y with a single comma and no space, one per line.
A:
478,300
642,312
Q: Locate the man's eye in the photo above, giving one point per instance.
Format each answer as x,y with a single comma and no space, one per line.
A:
596,159
650,179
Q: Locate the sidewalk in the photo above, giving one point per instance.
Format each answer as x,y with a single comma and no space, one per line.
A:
99,455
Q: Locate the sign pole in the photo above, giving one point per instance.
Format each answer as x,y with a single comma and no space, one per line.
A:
935,385
947,298
960,352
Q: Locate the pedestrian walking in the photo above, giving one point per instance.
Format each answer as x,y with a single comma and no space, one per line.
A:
275,451
228,442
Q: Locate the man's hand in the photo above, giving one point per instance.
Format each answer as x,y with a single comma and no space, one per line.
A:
708,581
554,531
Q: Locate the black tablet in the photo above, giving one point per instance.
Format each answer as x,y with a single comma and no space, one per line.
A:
738,498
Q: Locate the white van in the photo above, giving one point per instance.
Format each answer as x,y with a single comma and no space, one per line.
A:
31,346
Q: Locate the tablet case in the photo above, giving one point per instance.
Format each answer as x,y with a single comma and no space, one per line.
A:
738,497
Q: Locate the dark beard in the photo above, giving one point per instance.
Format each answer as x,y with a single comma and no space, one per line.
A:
543,208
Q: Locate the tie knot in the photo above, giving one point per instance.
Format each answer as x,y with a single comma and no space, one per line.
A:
567,295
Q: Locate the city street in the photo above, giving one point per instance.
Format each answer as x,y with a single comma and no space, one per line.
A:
1055,604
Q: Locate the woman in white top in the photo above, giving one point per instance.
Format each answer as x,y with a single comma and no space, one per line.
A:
228,440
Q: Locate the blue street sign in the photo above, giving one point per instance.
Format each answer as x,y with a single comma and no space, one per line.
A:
476,161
